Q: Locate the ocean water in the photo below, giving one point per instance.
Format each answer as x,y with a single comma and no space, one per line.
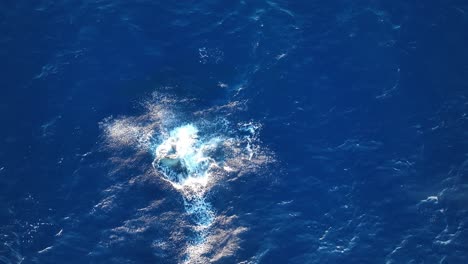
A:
233,131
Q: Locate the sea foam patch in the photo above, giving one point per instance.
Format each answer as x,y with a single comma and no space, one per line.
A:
193,151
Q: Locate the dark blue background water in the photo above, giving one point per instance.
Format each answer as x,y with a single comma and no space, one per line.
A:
363,102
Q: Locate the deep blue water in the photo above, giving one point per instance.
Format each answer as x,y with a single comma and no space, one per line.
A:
361,108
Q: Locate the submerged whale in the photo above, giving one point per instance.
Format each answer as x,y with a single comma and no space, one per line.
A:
183,155
170,161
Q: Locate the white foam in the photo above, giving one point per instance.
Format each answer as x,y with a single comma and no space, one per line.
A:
186,161
192,157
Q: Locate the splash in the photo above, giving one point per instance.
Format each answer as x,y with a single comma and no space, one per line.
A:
193,152
187,162
192,162
183,157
